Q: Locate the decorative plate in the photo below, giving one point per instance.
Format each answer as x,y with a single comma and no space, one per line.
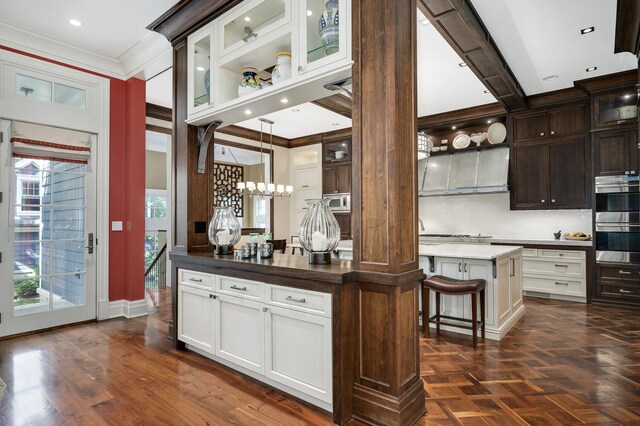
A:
497,133
461,141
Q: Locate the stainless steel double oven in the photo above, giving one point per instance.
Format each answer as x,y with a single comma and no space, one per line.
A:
617,237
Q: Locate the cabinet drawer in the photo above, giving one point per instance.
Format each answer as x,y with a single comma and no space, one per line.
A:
558,268
568,287
564,254
247,289
619,292
303,300
194,278
529,252
619,273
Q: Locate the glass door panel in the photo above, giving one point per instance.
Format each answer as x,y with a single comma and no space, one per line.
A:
323,29
247,25
202,72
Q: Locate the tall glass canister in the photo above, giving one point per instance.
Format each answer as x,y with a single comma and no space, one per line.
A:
319,232
224,230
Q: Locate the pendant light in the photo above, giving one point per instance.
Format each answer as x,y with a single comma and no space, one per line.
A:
262,189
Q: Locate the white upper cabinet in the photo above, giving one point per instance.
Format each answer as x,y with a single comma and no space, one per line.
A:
263,51
200,64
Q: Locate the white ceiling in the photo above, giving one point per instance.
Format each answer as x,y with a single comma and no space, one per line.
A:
542,37
308,120
112,39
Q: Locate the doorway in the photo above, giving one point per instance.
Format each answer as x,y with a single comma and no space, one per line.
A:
47,224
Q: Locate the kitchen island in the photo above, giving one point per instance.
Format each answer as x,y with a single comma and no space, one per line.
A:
499,266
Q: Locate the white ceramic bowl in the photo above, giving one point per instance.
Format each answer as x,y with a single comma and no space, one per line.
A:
478,137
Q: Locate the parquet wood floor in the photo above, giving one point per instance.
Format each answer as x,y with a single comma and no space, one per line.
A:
562,364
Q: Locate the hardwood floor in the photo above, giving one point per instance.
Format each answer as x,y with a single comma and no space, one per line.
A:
564,363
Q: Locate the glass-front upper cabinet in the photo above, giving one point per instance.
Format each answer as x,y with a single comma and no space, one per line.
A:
611,109
324,38
200,65
251,22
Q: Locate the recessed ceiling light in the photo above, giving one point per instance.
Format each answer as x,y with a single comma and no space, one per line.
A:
295,110
309,13
284,100
587,30
462,65
247,19
487,91
247,111
453,127
591,69
200,68
550,77
75,22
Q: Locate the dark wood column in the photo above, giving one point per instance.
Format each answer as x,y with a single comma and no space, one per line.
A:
388,388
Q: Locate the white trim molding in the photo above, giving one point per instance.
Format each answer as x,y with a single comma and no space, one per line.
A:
128,308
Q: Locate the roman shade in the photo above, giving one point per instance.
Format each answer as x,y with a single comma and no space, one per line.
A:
49,143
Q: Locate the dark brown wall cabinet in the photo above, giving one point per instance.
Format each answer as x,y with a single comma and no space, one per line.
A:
550,175
614,108
555,123
336,179
344,220
615,153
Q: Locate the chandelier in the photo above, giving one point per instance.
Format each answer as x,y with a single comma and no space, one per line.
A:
262,189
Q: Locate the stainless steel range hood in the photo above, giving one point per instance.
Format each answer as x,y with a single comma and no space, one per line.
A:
471,172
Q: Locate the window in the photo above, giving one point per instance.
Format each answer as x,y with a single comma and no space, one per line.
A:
155,207
260,212
47,91
30,199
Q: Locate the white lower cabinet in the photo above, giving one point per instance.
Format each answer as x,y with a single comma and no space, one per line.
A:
298,352
556,274
283,334
240,332
503,291
197,317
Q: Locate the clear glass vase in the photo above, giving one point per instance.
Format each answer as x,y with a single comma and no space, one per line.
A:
224,230
319,232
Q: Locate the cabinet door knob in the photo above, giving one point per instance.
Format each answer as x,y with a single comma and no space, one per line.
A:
553,132
553,200
300,68
626,172
541,133
542,201
265,309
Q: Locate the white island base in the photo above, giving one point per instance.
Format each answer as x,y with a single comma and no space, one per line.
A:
499,266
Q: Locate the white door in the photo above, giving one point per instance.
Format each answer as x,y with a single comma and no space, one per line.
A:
47,219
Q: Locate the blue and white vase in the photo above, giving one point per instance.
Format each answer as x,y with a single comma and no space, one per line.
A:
282,70
250,81
207,83
329,27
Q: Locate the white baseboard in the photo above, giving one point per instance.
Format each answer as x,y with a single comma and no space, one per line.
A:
128,308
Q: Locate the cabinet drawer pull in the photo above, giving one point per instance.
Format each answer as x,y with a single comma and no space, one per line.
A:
292,299
557,283
213,296
513,267
622,290
305,186
265,309
459,267
235,287
195,280
621,272
561,266
465,267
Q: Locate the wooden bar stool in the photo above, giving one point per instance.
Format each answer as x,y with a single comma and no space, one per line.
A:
441,284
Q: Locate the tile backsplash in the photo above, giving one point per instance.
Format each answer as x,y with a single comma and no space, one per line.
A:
489,214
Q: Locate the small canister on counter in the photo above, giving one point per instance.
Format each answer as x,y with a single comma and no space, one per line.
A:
246,251
266,250
253,247
237,254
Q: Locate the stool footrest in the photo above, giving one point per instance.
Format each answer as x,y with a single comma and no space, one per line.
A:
433,320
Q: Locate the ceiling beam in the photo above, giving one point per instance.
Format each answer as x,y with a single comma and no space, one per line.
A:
458,22
337,103
253,135
159,112
628,27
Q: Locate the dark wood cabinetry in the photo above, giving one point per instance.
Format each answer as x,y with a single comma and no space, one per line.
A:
344,220
614,108
618,283
550,175
553,123
336,179
615,153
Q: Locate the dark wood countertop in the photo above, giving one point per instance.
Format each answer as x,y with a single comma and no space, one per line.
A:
292,266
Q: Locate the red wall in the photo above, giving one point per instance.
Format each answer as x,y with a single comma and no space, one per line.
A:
126,182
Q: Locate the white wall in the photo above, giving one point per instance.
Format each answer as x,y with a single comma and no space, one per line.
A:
489,214
280,176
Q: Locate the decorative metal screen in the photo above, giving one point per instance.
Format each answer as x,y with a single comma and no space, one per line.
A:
225,192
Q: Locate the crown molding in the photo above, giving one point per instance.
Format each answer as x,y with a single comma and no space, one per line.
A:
149,57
